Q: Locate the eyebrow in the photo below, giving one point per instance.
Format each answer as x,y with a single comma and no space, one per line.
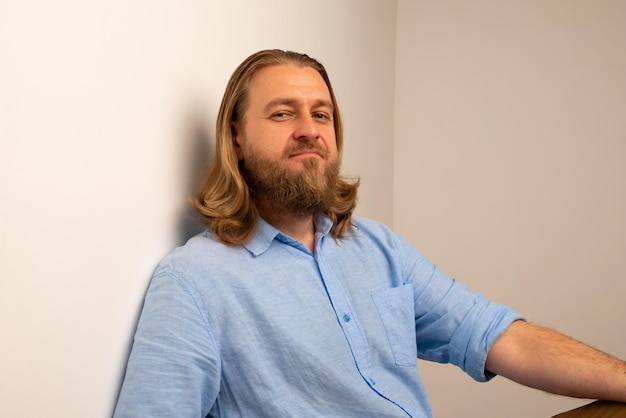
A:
285,101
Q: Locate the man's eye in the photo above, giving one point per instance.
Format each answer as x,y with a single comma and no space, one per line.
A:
322,116
280,115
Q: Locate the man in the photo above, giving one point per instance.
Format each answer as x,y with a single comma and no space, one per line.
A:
289,307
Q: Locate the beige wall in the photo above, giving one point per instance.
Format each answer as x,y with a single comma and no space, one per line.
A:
510,170
106,119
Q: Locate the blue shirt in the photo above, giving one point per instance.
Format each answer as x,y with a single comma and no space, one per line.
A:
269,329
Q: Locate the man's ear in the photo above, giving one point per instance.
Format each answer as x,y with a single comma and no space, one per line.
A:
237,139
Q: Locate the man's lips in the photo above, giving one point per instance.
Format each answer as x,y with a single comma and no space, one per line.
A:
306,154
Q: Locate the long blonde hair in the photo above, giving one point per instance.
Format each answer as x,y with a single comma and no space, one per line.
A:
224,199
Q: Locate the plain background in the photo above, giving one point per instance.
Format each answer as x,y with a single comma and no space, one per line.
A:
490,134
510,170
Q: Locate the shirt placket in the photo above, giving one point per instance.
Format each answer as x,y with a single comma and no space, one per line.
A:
347,319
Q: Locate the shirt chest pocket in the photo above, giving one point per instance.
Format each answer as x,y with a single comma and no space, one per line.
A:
397,314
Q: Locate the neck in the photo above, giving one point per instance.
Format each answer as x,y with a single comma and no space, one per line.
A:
298,226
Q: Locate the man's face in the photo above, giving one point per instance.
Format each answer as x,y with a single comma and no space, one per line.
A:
287,138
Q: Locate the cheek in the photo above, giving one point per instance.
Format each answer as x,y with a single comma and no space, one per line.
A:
263,148
332,142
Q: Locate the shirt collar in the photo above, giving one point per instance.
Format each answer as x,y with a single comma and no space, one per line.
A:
266,233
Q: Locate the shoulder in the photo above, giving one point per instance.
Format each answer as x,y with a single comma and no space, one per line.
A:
371,226
374,233
200,253
370,229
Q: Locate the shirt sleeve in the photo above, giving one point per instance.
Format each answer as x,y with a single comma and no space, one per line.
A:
453,324
174,365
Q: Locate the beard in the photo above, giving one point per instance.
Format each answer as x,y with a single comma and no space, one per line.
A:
304,193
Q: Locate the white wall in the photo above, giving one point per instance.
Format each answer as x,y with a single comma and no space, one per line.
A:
510,170
106,122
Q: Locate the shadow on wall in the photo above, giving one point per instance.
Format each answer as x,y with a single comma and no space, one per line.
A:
196,154
198,149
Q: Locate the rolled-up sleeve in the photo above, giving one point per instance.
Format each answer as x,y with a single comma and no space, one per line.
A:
453,324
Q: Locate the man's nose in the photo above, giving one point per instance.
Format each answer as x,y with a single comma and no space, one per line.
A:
306,128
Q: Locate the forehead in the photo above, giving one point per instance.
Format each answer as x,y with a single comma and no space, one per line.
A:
288,81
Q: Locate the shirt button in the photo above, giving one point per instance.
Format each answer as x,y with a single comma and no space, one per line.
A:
346,317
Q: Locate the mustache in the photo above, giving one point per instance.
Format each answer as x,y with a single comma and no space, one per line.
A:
306,146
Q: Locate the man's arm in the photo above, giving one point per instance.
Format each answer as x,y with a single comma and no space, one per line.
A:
549,361
174,369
